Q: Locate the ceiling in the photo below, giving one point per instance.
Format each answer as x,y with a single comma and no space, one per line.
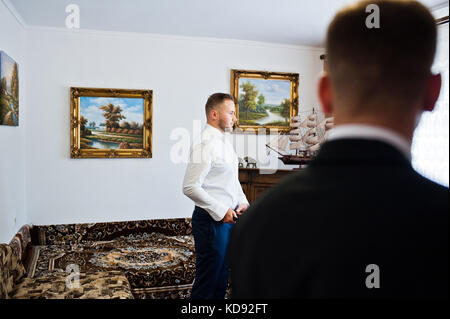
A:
298,22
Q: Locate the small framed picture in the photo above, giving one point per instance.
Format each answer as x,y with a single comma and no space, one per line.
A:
110,123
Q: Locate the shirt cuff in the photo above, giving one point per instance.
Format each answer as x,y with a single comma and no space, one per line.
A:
244,201
219,213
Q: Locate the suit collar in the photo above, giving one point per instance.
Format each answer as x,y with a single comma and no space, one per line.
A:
359,151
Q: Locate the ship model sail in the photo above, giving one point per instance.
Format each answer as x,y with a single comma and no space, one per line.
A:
301,143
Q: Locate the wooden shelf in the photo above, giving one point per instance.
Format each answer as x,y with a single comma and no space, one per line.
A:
254,182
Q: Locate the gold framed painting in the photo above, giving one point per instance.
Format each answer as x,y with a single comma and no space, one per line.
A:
110,123
264,100
9,90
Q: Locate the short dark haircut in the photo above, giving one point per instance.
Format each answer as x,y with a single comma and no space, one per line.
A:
382,66
215,100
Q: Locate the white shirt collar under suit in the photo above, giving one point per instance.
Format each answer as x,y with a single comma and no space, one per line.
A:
371,132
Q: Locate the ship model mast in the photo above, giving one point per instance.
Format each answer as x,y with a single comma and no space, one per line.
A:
305,138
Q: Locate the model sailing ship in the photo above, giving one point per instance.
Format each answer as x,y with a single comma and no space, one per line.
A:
300,145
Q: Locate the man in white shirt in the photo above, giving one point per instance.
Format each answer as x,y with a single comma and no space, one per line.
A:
358,222
211,181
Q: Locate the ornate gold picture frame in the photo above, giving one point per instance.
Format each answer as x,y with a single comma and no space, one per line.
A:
110,123
265,100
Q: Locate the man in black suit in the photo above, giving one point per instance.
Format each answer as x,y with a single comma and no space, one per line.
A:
358,222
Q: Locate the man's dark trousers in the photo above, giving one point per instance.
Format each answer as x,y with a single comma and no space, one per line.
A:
211,241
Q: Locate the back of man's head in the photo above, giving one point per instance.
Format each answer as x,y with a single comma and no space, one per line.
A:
385,67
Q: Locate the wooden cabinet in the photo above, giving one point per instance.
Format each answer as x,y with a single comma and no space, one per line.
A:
255,183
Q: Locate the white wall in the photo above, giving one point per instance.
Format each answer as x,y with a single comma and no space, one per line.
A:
182,72
12,138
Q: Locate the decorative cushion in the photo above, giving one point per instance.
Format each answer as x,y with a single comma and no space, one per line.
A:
20,244
25,233
16,245
11,270
92,285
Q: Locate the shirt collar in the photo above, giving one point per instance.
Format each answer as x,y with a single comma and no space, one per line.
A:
371,132
215,131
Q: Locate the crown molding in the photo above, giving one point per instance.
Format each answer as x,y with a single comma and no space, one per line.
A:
158,36
14,13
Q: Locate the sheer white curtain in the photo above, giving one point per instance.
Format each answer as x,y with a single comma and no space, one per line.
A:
430,147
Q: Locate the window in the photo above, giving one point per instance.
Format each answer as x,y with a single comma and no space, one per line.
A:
430,147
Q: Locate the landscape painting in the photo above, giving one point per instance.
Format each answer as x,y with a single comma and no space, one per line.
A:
264,102
265,99
9,91
111,123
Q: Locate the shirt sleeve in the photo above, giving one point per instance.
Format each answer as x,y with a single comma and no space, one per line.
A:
198,168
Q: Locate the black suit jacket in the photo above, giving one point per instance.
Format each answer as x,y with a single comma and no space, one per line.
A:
359,203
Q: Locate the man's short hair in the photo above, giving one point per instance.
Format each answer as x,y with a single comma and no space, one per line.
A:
385,66
215,100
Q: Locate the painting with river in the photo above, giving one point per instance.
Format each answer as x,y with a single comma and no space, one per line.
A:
111,123
264,102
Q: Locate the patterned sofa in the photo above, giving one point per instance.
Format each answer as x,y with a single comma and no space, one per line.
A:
14,282
150,259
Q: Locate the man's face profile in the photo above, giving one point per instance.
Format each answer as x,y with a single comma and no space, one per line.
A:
226,115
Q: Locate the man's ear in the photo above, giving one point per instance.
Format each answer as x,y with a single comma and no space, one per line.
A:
325,96
214,114
432,92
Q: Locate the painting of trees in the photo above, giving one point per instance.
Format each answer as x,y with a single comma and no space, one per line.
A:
83,129
134,125
15,84
109,123
125,125
83,122
248,98
9,91
112,114
3,85
266,100
261,101
285,109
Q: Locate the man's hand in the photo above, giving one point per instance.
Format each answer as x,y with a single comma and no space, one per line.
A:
229,216
241,208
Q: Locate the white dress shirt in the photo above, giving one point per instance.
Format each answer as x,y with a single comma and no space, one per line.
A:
212,174
371,132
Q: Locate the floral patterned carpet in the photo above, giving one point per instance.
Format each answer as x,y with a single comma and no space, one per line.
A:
157,256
